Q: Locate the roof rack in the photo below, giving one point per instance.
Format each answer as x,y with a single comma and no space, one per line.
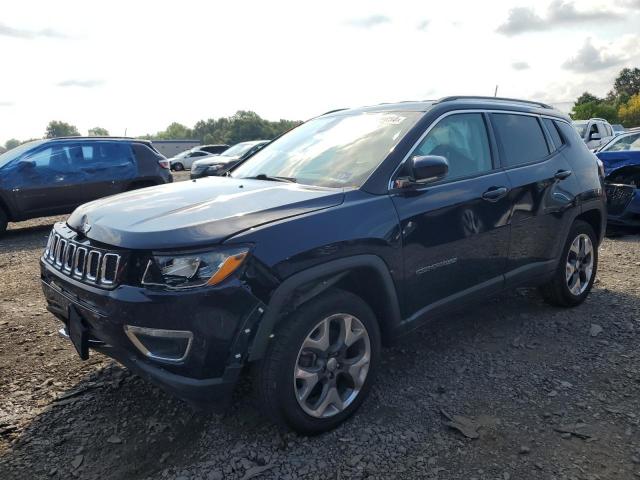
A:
500,99
333,111
599,119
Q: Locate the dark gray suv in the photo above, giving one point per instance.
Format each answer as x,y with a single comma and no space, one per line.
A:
51,177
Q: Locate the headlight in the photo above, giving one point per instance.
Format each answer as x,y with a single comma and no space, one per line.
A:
193,269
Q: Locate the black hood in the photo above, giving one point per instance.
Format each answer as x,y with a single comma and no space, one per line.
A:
195,213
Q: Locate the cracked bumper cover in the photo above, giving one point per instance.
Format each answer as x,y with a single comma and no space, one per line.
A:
222,320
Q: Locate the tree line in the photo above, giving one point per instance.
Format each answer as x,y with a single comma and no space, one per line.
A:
620,105
242,126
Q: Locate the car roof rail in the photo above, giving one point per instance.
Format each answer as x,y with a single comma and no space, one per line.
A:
332,111
498,99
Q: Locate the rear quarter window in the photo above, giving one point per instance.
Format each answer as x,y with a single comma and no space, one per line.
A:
521,138
553,131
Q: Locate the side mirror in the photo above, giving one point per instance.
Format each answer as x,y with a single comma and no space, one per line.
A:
423,169
428,168
26,164
595,136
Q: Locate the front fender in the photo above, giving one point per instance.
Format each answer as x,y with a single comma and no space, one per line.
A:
289,296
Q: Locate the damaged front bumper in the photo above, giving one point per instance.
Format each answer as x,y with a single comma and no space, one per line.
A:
623,205
221,323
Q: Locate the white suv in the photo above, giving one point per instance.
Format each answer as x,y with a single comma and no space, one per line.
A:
595,132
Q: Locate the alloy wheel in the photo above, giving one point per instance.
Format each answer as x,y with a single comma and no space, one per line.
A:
332,365
579,268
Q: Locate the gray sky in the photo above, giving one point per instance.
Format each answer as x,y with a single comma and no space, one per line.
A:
141,64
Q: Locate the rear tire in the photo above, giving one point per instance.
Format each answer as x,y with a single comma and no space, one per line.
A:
3,222
576,272
311,389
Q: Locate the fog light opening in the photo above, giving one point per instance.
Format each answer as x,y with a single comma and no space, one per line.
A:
171,346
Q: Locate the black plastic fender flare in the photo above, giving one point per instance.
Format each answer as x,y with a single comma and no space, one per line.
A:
327,274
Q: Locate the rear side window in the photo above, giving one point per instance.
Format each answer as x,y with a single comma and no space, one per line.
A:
569,133
553,131
521,138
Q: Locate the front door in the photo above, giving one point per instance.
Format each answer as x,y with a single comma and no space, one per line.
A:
455,232
45,182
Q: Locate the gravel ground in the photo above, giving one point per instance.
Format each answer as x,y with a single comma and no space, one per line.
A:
509,389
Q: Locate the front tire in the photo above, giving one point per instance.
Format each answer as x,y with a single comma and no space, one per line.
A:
3,222
178,167
321,363
576,272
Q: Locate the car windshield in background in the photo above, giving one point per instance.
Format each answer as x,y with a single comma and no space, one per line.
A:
14,153
333,151
581,128
628,142
238,149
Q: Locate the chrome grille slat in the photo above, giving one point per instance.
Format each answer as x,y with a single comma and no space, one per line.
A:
82,262
92,273
79,262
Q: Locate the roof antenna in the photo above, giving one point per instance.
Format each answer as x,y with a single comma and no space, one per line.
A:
495,92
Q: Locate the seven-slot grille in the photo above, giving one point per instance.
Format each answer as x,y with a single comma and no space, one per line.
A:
83,262
618,197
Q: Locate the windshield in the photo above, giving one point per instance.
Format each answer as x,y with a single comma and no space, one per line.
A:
238,149
628,142
581,128
333,151
14,153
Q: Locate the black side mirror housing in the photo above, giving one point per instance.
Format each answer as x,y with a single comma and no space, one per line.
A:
26,164
428,168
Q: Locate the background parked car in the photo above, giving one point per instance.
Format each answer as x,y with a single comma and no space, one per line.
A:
221,164
618,129
185,159
214,149
595,132
52,177
621,160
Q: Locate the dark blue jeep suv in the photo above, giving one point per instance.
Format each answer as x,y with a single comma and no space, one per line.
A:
348,231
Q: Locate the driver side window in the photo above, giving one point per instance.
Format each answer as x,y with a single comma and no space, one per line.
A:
462,139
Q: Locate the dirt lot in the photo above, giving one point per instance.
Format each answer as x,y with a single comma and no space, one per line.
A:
549,394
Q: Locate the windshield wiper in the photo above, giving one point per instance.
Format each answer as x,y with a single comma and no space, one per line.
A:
264,176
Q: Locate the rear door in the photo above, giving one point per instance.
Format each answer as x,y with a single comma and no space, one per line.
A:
108,168
455,232
543,190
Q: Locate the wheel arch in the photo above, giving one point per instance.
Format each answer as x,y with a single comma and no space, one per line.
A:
594,218
364,275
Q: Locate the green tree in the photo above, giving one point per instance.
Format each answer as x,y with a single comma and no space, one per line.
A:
626,84
57,128
174,131
586,97
11,143
601,109
629,112
98,132
244,125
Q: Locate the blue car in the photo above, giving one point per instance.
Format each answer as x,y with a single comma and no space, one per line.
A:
621,160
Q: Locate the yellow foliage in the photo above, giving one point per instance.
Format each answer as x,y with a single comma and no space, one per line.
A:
629,112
